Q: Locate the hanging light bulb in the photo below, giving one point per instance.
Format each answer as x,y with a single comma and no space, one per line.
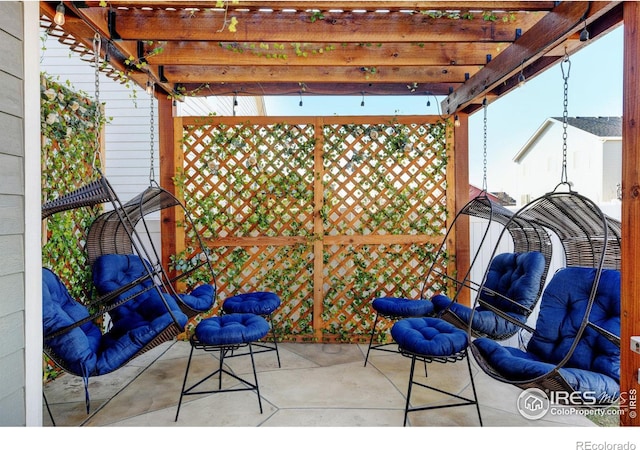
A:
59,17
456,121
521,78
584,34
362,102
149,87
300,104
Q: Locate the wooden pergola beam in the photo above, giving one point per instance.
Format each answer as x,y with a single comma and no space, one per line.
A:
417,74
352,5
325,54
564,21
257,26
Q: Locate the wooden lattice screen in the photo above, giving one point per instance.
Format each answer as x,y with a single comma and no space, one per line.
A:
329,213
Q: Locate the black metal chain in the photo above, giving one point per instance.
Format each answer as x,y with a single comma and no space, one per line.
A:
565,116
484,153
152,176
97,43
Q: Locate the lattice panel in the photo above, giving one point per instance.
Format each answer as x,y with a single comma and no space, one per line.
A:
385,179
250,180
355,275
286,270
250,188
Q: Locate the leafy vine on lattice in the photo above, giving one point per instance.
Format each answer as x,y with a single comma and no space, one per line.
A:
68,127
241,158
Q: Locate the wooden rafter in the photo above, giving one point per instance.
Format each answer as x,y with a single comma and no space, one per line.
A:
466,51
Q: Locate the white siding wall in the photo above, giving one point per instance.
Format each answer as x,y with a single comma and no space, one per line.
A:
612,169
20,291
591,173
127,134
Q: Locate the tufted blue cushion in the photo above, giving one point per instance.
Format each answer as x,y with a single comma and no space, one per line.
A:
429,336
402,307
231,329
201,298
78,347
261,303
85,350
595,363
514,275
111,272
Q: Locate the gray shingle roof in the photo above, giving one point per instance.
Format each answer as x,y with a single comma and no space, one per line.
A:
598,126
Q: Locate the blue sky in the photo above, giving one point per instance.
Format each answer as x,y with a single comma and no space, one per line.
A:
595,89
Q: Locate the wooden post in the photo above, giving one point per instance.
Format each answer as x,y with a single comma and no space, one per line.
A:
318,232
630,273
166,145
460,181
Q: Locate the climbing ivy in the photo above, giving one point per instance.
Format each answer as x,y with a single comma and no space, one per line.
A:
68,126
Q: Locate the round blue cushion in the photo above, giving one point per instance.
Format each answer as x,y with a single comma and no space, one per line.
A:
429,336
231,329
262,303
402,307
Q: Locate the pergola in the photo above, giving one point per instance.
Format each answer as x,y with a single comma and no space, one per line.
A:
466,52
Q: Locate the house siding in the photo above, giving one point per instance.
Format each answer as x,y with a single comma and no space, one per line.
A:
594,165
12,217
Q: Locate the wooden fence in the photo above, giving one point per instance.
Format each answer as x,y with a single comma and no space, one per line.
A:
327,212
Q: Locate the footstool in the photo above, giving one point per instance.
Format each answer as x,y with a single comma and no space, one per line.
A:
226,334
430,339
262,303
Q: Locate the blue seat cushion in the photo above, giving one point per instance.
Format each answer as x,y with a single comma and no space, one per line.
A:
594,364
564,305
113,271
261,303
201,298
484,321
84,350
516,276
518,365
402,307
231,329
429,336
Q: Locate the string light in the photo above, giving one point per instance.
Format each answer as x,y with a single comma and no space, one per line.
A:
362,102
584,34
521,78
149,87
456,121
59,17
235,102
300,104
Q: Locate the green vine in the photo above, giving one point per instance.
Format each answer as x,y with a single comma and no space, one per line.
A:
68,126
250,180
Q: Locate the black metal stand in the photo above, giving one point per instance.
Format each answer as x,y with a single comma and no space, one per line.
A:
223,349
428,359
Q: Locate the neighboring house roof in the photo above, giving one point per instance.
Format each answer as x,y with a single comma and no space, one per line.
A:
598,126
603,127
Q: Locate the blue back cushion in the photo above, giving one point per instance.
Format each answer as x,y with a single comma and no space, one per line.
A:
113,271
516,276
562,309
77,347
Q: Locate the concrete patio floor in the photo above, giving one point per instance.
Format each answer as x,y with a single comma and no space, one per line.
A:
318,385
